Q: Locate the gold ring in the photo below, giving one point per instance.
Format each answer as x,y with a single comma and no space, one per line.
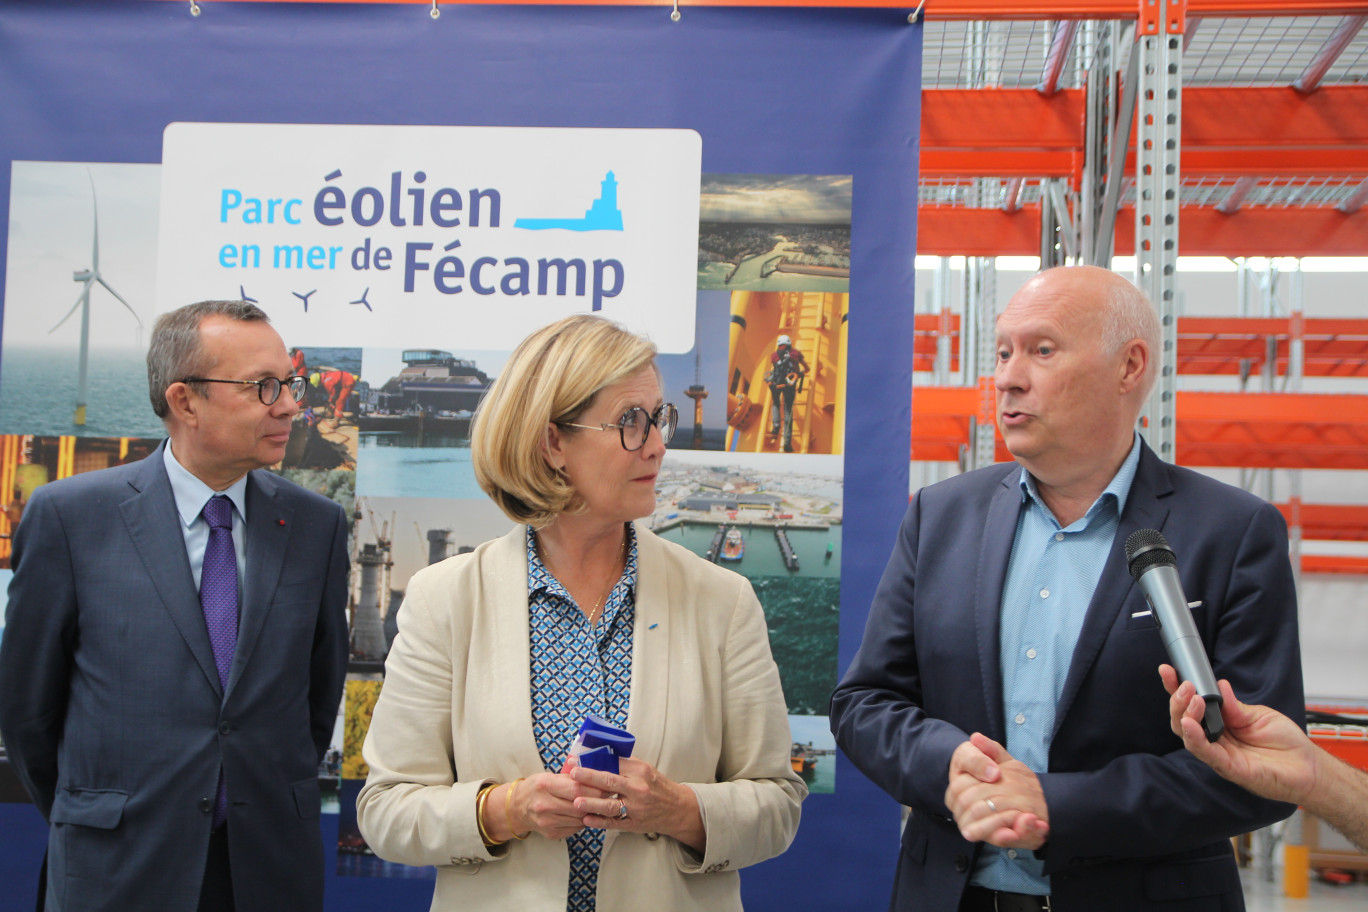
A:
622,810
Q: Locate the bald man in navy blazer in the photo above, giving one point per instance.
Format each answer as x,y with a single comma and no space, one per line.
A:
166,789
1005,688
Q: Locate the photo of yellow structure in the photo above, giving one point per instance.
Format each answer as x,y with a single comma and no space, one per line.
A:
786,372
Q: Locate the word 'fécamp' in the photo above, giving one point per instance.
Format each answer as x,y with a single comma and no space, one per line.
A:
410,207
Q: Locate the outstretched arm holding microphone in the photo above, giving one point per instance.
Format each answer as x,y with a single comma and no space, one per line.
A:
1267,753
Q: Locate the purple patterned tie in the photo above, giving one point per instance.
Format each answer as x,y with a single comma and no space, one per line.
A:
219,599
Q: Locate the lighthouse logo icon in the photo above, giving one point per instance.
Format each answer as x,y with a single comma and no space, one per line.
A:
602,215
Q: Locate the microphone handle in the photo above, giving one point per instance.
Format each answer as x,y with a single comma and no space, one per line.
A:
1184,645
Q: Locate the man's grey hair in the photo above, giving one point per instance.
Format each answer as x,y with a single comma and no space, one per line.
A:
1130,315
176,351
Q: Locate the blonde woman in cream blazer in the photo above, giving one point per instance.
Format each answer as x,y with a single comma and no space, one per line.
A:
458,778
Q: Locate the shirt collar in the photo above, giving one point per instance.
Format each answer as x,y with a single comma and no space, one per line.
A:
1118,488
191,494
541,579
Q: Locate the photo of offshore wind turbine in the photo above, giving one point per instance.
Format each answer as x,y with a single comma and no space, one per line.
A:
88,278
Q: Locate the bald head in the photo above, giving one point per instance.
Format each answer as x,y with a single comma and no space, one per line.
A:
1123,313
1075,362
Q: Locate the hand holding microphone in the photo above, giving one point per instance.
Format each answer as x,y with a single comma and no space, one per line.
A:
1153,565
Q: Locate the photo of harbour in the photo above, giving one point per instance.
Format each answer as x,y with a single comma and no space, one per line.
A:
774,232
777,521
813,754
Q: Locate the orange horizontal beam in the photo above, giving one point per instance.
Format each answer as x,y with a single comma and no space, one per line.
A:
1274,408
961,231
1253,430
1272,430
1218,119
1217,345
1328,522
1251,231
1265,231
1275,116
1311,327
926,333
1326,563
1003,120
1227,132
988,162
1305,162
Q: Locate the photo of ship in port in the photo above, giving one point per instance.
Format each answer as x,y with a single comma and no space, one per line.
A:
812,754
435,393
414,421
733,545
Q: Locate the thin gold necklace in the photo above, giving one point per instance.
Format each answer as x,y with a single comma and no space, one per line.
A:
612,581
613,578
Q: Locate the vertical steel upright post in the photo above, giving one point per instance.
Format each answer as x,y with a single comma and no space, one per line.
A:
981,292
1159,37
940,306
1296,370
1096,128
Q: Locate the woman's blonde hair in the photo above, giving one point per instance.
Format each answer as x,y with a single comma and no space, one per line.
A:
552,377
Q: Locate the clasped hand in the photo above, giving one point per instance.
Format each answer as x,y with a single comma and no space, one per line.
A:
996,798
559,805
654,802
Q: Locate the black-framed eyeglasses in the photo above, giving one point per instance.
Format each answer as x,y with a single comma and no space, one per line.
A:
635,425
268,388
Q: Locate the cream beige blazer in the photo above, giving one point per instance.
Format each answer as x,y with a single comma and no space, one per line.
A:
456,712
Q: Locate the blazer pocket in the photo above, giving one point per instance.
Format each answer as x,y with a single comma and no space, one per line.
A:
1140,617
99,808
307,801
1188,879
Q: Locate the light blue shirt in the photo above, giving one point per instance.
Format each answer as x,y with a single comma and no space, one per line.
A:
1051,576
191,495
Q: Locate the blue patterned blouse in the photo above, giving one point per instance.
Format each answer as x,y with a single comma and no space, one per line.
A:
577,670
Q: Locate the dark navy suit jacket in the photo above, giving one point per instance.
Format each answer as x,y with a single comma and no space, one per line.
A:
110,702
1135,821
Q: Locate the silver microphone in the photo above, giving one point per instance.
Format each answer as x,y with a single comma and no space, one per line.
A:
1153,565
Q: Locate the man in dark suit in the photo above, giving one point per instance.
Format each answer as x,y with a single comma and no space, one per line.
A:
1004,687
176,644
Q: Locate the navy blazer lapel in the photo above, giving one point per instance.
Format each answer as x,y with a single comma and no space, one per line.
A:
154,528
266,543
1145,509
995,549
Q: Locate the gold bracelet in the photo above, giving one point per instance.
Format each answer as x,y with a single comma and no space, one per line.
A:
480,798
508,810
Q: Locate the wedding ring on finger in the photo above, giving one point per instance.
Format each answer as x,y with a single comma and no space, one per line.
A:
622,810
991,806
